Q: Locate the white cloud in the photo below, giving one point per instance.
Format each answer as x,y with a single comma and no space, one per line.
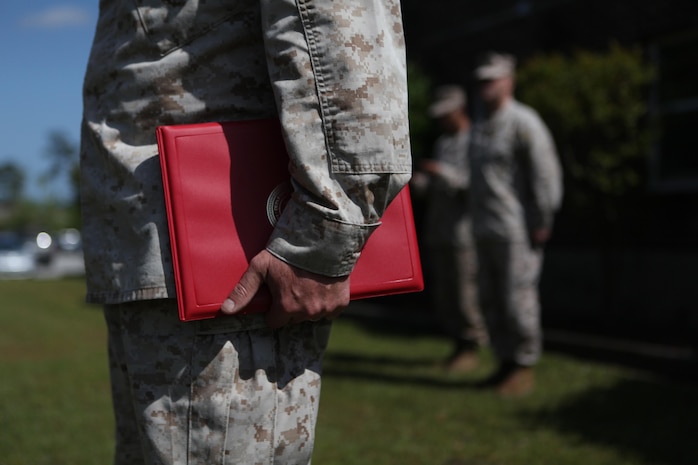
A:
56,17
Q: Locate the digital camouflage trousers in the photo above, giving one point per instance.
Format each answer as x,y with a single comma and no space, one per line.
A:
222,391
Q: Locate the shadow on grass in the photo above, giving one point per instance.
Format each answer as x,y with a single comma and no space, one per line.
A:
385,317
651,417
679,369
392,370
654,420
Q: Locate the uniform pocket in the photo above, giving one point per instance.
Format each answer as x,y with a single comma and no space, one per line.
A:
172,24
359,147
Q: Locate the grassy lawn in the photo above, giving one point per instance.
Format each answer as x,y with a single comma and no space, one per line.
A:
383,400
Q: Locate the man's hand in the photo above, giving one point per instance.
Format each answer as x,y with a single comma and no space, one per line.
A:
430,166
297,295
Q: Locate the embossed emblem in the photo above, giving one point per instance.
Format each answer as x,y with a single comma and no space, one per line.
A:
277,200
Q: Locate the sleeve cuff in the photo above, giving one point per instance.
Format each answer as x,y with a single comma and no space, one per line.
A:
308,240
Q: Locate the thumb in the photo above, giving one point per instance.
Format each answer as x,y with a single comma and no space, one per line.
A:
243,292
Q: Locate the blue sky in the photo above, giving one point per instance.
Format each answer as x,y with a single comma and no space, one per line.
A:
44,46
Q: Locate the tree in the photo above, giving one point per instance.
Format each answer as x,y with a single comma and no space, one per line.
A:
63,156
11,184
596,105
421,126
64,163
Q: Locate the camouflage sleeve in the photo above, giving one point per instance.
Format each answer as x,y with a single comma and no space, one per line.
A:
545,173
339,78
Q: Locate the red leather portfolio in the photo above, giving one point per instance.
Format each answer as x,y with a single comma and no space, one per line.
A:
225,185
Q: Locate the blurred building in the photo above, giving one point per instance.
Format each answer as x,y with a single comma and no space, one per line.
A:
653,294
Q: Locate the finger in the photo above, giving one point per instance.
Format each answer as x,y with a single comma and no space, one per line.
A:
243,292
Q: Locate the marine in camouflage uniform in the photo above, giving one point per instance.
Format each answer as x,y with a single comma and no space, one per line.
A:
444,181
232,390
516,187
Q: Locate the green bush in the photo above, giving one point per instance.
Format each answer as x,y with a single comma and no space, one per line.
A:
421,126
596,106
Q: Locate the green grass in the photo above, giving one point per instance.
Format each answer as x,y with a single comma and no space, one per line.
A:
383,401
54,392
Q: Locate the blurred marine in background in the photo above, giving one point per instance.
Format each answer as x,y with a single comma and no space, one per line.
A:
444,180
516,188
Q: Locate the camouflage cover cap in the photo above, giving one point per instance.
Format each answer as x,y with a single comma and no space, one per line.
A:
447,99
495,65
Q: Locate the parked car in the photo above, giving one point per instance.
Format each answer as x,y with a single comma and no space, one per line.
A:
17,257
69,240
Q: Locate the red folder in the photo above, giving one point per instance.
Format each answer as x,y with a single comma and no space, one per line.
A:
225,185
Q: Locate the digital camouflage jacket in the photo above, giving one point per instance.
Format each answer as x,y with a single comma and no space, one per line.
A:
332,71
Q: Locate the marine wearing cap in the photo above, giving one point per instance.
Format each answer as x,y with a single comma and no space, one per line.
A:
516,187
495,66
447,99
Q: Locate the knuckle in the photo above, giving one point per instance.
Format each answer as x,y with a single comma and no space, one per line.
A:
240,291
